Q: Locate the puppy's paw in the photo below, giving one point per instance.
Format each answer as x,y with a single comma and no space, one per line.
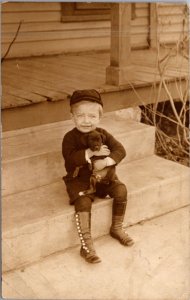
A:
81,193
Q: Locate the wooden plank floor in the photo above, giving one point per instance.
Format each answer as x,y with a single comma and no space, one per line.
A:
52,78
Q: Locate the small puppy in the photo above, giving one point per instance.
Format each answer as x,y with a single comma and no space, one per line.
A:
94,140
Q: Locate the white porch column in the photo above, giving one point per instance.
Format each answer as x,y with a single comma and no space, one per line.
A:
119,71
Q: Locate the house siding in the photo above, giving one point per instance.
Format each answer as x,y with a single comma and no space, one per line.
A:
43,33
172,22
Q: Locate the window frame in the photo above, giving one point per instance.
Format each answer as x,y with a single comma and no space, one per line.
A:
70,13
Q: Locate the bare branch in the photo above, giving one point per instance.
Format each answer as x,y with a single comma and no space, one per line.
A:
9,48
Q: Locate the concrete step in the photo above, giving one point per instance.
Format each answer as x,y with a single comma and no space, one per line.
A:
39,222
32,157
155,268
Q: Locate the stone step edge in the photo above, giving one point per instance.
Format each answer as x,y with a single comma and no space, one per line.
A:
37,128
95,238
98,203
155,206
50,165
122,165
118,135
62,251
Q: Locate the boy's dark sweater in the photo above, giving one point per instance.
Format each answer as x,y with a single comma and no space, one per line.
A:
74,152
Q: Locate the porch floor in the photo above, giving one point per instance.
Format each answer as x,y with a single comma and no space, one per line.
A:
51,78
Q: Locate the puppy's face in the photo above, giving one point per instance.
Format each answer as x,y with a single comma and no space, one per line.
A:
95,141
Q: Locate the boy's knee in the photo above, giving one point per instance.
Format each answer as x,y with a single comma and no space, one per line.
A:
83,203
122,190
119,193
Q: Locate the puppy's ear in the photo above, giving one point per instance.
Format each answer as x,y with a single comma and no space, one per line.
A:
103,138
84,140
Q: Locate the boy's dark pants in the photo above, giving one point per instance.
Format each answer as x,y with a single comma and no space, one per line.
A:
116,190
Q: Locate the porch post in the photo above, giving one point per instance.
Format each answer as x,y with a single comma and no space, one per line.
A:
153,25
119,71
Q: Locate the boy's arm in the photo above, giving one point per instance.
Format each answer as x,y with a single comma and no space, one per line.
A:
105,162
117,153
70,152
75,157
116,148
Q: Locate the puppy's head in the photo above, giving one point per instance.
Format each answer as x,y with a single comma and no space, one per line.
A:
94,140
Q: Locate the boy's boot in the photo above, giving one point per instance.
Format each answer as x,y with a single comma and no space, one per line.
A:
116,230
87,251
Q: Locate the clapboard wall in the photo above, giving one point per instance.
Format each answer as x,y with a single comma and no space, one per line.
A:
172,22
42,31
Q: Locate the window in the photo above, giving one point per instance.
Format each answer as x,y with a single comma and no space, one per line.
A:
81,11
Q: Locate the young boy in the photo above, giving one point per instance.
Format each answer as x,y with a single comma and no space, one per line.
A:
86,111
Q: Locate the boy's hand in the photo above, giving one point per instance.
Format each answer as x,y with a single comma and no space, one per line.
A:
104,151
100,164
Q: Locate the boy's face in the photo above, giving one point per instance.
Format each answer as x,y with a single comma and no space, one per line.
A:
86,116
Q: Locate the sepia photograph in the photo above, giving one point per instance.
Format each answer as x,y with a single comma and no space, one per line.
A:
95,178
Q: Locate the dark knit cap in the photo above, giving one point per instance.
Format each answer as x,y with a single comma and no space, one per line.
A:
86,95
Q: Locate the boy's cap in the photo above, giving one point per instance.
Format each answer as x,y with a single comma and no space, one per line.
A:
86,95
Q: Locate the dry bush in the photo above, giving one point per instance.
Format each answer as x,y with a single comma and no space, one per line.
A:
171,119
